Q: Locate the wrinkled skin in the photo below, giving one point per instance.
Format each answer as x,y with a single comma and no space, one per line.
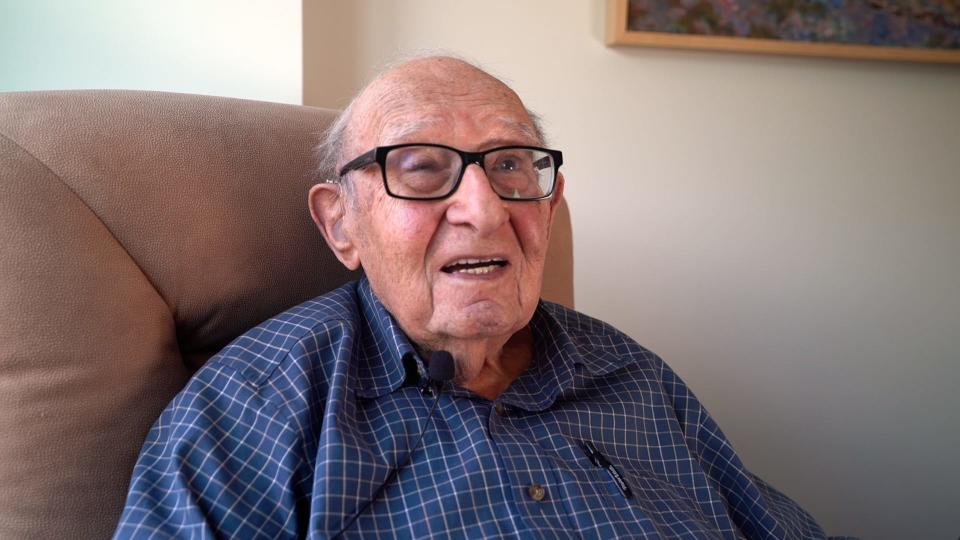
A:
403,246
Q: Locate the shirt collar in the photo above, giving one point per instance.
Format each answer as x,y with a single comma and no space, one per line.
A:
560,348
388,359
382,369
550,371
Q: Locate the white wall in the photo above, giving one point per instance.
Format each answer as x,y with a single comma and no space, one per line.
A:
784,231
241,48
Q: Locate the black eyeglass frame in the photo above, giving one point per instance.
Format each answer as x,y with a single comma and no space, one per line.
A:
378,155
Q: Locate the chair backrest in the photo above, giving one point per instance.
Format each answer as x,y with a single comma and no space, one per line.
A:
139,233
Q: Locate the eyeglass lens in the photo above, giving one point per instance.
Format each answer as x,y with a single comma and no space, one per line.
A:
431,172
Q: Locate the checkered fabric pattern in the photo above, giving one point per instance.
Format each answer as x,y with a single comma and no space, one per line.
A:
293,428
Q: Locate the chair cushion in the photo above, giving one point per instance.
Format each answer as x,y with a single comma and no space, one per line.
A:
140,232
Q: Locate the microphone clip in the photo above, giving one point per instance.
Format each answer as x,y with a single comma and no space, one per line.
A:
440,370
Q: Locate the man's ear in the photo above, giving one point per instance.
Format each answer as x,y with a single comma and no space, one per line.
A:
328,210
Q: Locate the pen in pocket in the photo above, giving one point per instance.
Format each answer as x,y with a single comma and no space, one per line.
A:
599,461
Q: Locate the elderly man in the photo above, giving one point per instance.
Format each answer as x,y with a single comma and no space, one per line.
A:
322,421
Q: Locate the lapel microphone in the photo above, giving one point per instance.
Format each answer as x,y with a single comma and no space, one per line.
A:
440,370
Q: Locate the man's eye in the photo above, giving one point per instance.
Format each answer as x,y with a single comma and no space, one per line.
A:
414,165
512,163
507,165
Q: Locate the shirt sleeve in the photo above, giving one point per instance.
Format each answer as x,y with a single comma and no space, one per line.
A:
758,509
221,461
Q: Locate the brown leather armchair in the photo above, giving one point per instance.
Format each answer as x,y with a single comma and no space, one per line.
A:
139,233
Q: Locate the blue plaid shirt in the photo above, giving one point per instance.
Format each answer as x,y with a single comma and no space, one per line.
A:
297,424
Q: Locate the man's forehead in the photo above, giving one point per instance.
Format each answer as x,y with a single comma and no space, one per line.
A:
439,95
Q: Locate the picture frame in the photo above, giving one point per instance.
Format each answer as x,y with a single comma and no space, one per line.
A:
619,32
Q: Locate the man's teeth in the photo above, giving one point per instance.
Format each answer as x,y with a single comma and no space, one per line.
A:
475,266
478,261
475,270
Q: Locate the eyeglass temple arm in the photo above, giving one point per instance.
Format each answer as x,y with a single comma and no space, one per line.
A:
543,162
359,162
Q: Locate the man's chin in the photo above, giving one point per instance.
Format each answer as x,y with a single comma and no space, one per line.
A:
479,320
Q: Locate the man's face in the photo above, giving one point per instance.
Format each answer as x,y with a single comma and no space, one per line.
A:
421,257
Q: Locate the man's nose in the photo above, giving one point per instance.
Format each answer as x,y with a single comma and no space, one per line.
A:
476,204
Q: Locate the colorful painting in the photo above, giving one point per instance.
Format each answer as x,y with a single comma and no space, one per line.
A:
884,29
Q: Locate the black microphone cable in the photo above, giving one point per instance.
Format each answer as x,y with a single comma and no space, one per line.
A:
440,370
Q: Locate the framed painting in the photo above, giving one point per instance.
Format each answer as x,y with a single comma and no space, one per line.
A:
909,30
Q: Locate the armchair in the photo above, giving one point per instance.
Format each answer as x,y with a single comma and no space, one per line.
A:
139,233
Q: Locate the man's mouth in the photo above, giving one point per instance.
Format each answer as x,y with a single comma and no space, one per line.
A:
474,266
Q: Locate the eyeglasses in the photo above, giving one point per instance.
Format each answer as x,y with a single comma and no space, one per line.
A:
428,172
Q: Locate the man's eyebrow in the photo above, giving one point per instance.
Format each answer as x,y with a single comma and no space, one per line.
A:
404,132
523,127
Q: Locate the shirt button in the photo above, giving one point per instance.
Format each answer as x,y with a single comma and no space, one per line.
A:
501,409
536,492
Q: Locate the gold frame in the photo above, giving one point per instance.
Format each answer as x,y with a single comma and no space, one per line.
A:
617,34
